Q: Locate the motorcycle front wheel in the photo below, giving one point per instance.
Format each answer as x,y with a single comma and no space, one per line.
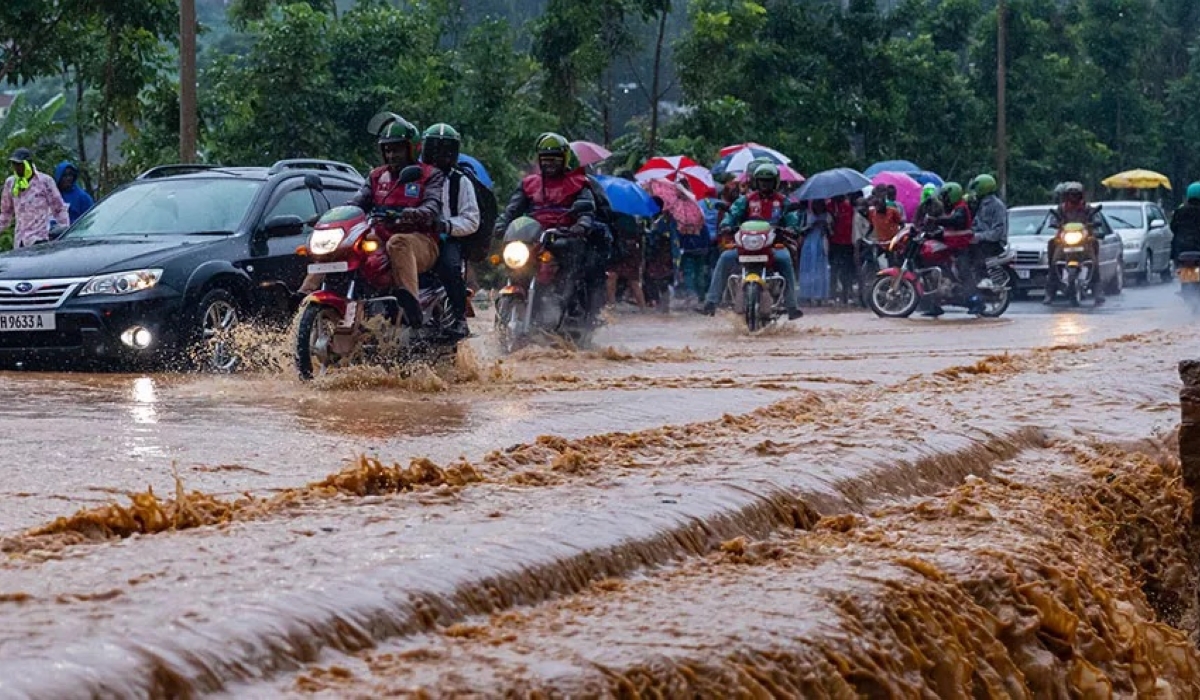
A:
752,293
314,338
510,311
899,302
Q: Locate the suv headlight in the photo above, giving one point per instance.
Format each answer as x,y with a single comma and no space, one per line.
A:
122,282
326,240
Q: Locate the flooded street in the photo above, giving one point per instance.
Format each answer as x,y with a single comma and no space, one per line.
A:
554,521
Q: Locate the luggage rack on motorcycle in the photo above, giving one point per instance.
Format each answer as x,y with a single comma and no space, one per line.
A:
313,164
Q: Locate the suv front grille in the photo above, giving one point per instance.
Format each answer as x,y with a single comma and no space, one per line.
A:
39,295
1028,257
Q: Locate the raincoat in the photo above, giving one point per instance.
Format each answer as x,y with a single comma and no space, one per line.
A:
77,199
32,208
814,258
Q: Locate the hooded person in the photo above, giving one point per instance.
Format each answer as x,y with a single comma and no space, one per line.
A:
31,199
1185,224
78,201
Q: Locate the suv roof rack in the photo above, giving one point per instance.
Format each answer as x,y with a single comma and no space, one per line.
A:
175,169
313,164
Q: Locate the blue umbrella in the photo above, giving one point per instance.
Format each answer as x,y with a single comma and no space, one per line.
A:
831,183
480,171
928,178
627,196
893,166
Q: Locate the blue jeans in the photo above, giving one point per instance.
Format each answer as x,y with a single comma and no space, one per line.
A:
725,263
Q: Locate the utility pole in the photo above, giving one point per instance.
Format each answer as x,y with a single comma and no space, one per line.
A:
187,81
1001,116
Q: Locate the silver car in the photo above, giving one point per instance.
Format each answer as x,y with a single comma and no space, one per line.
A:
1029,237
1145,236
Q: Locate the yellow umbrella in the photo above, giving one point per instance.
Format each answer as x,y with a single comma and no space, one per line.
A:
1137,180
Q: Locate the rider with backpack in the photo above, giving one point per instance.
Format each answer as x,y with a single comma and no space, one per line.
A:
466,203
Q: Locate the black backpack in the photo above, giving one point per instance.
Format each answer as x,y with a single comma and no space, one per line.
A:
475,246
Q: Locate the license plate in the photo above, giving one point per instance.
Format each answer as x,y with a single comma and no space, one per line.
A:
325,268
1189,274
1023,274
10,321
752,258
1073,249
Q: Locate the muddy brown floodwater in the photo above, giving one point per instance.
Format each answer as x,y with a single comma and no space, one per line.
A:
842,505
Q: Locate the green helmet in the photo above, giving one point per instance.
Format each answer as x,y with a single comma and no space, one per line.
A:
440,146
399,131
768,172
551,147
928,192
1193,191
952,193
982,185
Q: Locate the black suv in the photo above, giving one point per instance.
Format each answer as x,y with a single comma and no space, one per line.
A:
169,262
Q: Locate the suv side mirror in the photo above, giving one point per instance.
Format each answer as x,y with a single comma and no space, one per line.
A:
1157,223
57,232
284,225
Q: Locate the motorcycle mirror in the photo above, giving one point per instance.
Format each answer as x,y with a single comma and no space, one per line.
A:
582,207
412,173
377,122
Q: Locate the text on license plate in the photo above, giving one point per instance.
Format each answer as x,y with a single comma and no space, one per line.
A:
1073,249
752,258
323,268
10,321
1023,274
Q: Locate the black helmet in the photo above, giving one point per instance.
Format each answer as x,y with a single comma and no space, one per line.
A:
440,145
399,131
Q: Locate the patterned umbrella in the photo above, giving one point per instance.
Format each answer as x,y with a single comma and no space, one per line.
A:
786,174
675,168
589,153
762,150
679,203
735,162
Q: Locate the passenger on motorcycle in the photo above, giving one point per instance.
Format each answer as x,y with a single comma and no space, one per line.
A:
990,226
547,197
763,203
412,246
440,145
1185,224
1074,209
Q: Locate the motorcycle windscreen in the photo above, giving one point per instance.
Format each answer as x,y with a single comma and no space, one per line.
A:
523,229
342,214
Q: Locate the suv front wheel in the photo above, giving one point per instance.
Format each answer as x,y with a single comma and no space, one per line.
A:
216,318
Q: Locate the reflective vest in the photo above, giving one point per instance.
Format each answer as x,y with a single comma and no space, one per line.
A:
551,198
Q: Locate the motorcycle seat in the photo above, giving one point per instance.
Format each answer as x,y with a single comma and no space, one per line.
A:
1189,258
1002,259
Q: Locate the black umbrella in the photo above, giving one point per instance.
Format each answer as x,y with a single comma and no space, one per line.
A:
831,183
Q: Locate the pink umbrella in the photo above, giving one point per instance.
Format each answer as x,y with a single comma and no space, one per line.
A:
908,190
786,174
677,202
676,168
589,153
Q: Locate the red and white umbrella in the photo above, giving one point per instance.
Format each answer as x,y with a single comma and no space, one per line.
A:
589,153
676,168
761,151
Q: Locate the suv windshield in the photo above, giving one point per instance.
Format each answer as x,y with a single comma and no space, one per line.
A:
170,207
1026,223
1123,217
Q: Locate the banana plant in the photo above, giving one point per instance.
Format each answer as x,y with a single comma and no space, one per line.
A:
26,125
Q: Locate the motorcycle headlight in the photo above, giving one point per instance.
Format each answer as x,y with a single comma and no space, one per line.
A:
752,241
516,254
325,241
122,282
1073,237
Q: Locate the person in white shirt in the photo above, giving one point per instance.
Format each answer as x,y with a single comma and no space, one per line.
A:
460,217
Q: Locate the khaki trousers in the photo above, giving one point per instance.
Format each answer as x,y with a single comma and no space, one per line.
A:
411,254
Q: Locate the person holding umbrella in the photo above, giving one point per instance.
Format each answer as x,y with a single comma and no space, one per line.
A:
764,203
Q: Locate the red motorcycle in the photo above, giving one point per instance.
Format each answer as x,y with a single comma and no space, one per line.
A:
927,270
356,314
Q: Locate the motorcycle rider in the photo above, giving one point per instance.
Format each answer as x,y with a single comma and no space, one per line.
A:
1185,224
1074,209
547,197
990,226
955,221
763,203
440,145
931,207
